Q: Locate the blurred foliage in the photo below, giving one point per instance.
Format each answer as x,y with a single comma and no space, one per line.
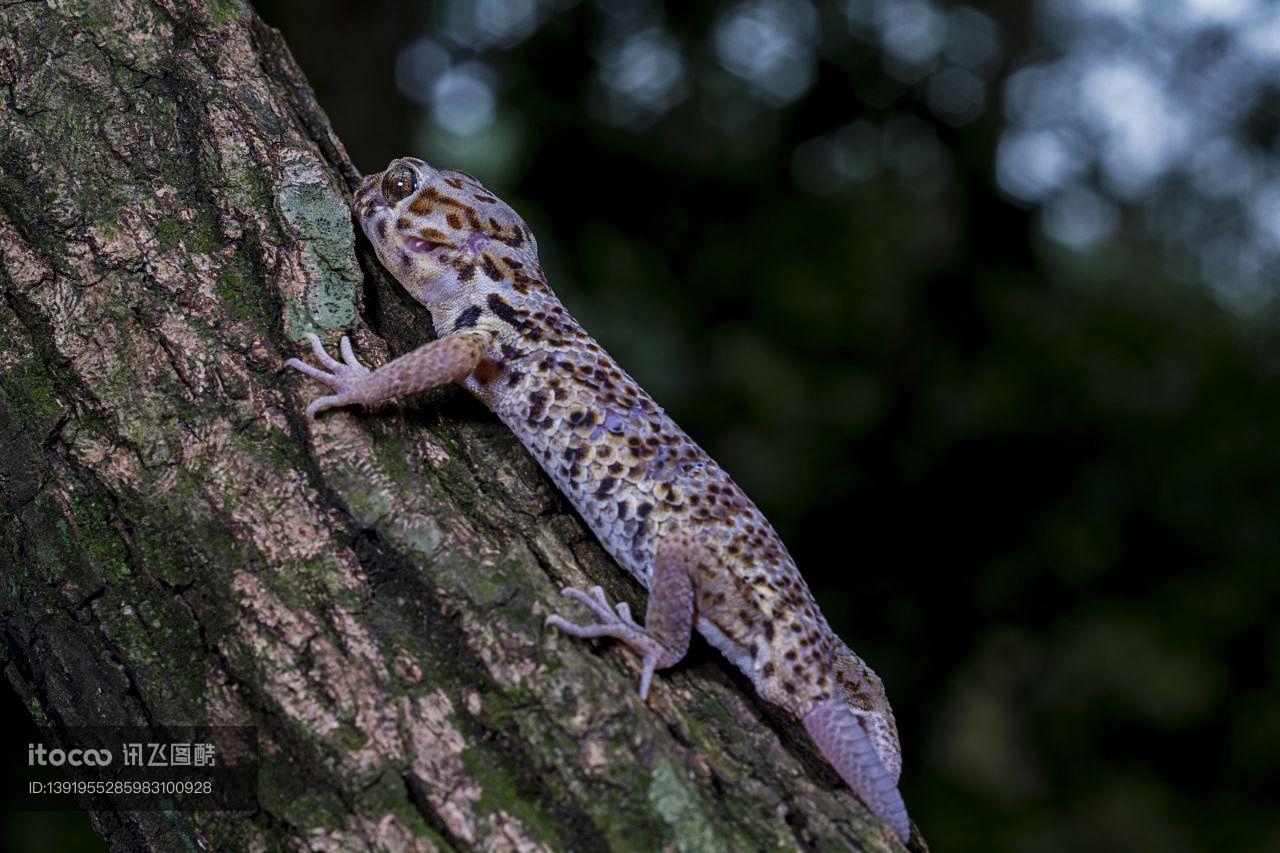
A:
1031,472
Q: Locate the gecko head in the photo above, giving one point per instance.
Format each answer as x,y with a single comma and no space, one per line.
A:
442,234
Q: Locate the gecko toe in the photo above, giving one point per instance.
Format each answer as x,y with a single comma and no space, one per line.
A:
310,370
320,404
616,623
317,347
348,355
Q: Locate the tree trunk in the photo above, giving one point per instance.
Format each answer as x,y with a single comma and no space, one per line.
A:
180,546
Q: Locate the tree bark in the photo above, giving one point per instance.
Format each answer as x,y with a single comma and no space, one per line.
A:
180,546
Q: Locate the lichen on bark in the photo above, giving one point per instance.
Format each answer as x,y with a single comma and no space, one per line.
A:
180,545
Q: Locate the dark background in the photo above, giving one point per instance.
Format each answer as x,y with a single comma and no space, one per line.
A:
976,301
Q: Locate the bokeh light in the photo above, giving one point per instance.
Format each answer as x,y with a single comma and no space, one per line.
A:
641,76
770,44
1165,106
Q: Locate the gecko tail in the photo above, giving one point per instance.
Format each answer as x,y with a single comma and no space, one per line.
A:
841,735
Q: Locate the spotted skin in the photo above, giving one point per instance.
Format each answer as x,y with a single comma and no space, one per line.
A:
658,503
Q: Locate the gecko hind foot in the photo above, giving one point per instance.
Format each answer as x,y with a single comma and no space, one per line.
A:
615,621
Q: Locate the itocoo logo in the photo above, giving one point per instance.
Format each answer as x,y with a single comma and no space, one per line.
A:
37,754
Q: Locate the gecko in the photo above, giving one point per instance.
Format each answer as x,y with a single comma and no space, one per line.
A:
658,503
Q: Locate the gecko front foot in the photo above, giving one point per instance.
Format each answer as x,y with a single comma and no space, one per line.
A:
345,376
615,622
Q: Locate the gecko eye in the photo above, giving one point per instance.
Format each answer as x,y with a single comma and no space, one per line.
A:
398,183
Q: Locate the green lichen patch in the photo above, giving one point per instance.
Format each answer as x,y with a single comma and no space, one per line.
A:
224,10
240,287
298,800
98,541
671,798
33,401
322,222
514,798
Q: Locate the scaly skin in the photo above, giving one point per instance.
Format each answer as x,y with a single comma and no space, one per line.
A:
658,503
